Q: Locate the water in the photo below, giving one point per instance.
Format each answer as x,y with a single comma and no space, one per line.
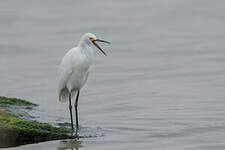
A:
160,87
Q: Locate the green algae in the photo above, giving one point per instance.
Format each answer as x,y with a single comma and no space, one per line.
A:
16,131
15,101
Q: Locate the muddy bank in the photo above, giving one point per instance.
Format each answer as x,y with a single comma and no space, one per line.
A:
18,127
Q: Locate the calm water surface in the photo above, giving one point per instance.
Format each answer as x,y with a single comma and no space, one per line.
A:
160,87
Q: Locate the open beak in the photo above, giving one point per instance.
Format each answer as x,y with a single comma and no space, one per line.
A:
98,40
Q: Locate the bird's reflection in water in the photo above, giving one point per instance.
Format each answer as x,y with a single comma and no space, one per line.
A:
72,144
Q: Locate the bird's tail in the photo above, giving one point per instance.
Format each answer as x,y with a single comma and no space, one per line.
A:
64,95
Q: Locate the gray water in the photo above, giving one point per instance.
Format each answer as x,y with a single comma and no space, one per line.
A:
160,87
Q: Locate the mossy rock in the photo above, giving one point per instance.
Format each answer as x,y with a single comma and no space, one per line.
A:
18,107
15,131
15,101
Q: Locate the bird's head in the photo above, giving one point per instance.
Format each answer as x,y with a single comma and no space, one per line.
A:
90,39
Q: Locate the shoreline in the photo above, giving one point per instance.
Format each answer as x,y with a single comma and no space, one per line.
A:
18,128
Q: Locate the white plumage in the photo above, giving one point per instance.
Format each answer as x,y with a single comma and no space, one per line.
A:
74,69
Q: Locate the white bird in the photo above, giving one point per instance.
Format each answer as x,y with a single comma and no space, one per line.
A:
74,69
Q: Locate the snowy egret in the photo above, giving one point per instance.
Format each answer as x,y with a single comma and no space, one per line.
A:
74,70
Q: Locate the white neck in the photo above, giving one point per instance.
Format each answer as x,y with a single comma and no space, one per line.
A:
87,49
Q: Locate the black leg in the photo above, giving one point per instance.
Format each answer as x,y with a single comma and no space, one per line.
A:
71,115
76,104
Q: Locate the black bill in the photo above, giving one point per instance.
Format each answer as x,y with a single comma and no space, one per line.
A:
98,40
